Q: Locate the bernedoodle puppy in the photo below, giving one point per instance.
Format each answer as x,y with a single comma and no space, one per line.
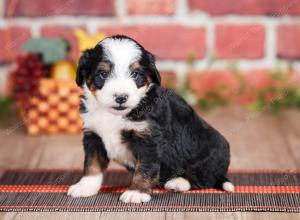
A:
130,119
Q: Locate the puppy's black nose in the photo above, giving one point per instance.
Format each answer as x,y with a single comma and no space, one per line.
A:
121,98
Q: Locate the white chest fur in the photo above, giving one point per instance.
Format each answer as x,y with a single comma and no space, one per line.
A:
109,126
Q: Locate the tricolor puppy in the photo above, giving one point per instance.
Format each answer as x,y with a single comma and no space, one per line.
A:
130,119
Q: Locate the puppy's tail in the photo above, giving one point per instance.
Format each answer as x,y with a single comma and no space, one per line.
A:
225,184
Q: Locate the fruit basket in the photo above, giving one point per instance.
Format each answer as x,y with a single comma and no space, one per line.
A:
54,109
45,91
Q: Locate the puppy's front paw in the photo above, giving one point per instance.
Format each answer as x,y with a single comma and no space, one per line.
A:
134,196
178,184
87,186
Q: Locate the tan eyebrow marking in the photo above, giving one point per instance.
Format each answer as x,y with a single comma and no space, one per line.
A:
104,66
134,66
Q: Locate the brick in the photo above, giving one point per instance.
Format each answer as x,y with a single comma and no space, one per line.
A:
150,7
65,32
41,8
11,40
239,41
244,7
166,42
288,44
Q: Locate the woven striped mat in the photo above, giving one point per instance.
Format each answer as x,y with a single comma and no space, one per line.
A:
45,190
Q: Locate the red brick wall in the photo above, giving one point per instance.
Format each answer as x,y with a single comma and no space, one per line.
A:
249,30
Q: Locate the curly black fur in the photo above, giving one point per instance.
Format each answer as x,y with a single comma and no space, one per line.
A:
180,142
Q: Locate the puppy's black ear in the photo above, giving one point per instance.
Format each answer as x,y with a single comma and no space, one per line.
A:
83,67
154,74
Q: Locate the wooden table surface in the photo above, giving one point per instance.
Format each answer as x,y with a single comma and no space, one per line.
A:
258,141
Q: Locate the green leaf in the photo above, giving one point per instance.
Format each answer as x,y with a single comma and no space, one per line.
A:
5,106
191,59
52,50
275,106
203,104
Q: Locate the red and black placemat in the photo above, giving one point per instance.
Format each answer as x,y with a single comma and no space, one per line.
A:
45,190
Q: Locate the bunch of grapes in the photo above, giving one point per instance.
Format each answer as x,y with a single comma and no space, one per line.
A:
30,69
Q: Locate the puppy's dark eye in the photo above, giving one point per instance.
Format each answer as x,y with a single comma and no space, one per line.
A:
100,79
103,75
134,74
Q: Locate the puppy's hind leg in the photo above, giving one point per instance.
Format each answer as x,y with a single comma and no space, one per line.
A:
178,184
225,184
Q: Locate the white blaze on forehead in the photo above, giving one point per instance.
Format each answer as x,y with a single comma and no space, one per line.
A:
121,52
